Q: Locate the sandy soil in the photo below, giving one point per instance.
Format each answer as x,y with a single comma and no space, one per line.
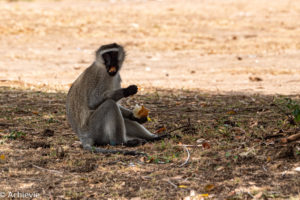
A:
211,45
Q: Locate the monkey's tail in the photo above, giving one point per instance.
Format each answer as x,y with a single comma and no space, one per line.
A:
111,151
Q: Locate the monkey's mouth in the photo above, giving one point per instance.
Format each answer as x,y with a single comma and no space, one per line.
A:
112,70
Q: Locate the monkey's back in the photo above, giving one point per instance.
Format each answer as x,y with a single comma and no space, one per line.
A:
77,108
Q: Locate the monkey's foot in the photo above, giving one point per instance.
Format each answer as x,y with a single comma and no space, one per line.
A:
135,142
134,153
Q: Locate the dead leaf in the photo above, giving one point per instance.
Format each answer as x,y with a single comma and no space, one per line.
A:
258,196
255,79
176,178
297,169
220,168
209,187
203,105
136,198
200,141
161,130
150,160
203,195
231,112
48,132
183,186
231,193
206,145
239,130
283,140
142,159
60,152
237,137
35,112
2,157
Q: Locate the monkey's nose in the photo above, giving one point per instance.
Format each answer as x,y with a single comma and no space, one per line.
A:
112,69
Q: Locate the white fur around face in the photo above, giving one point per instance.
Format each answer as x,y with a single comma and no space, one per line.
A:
121,55
108,50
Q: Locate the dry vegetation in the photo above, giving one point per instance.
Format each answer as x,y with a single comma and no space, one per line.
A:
235,145
187,58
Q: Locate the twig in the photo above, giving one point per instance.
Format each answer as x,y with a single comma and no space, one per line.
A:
49,170
250,194
273,136
293,137
264,168
6,124
188,156
189,145
184,126
175,186
180,127
290,138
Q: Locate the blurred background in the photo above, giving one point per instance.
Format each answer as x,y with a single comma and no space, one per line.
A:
210,45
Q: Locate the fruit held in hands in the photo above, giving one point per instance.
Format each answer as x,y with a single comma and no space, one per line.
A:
140,112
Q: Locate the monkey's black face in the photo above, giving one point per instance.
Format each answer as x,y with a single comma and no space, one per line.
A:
111,62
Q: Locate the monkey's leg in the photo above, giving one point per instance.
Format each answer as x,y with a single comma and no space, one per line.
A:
106,126
134,130
88,145
110,151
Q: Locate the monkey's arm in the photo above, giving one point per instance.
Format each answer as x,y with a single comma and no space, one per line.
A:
126,113
94,99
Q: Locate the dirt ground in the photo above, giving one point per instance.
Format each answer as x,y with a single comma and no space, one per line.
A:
220,74
231,147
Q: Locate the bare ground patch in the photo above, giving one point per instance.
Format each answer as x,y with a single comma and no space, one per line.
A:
210,45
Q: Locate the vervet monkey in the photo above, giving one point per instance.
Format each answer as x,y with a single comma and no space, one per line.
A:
93,110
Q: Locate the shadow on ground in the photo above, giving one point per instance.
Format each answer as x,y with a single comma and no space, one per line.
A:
234,142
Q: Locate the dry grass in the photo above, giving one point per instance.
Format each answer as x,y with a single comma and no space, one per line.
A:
233,140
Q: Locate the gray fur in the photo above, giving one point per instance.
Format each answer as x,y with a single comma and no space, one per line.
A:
93,110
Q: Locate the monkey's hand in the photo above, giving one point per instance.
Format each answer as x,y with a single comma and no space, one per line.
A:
141,120
131,90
